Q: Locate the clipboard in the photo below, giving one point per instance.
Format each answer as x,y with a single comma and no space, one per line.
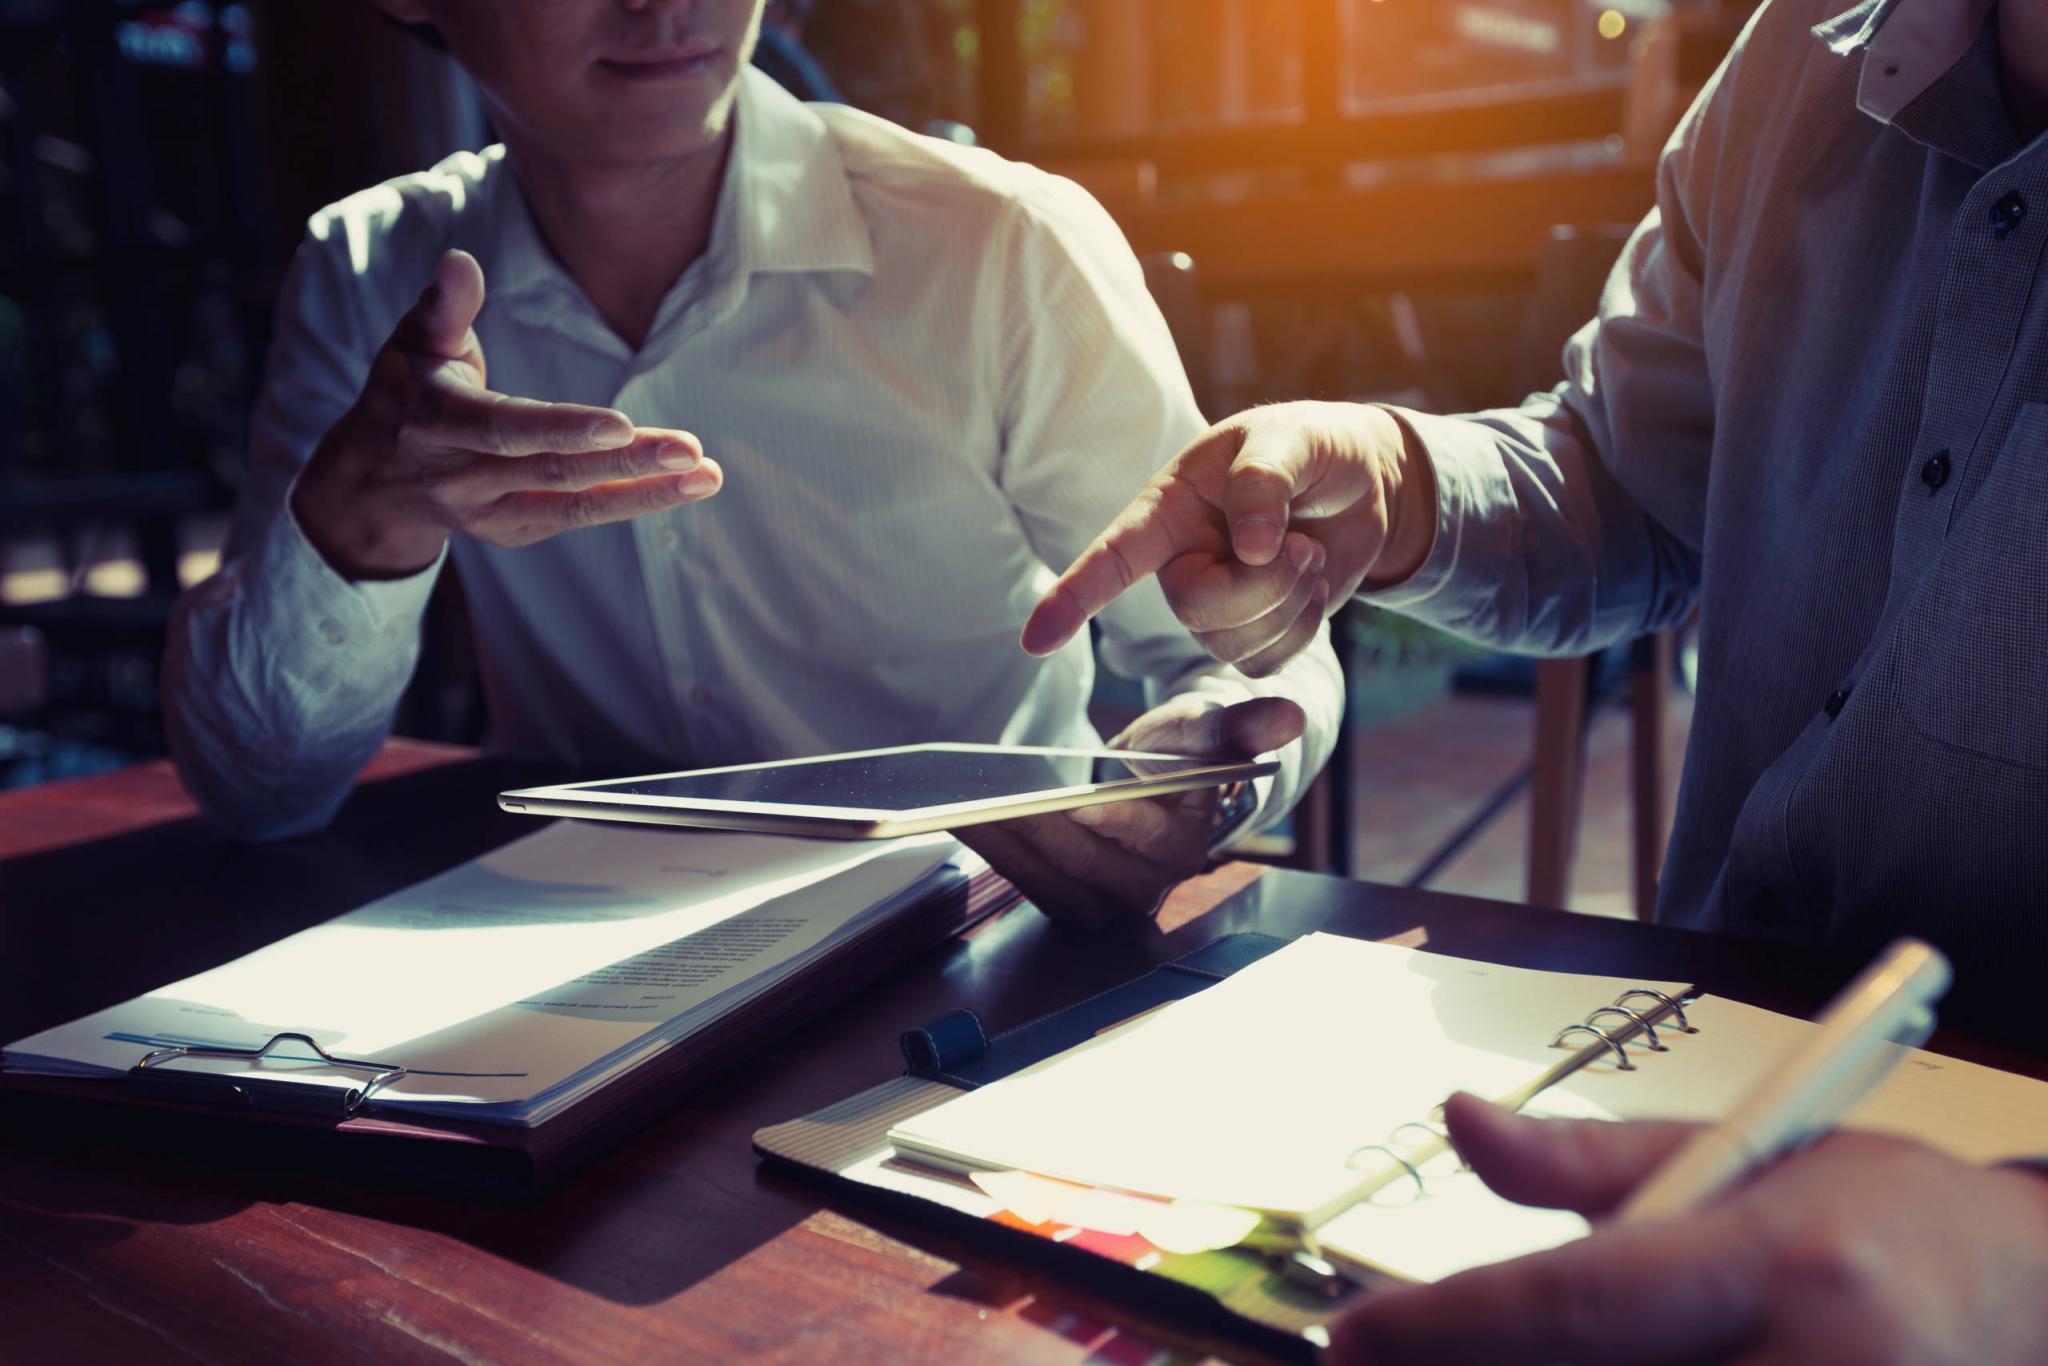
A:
1287,1294
330,1123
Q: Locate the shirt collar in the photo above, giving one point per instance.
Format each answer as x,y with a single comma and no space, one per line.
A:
795,208
1905,45
784,206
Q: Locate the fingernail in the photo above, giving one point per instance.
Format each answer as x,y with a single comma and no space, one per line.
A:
1047,629
1322,592
611,431
1087,815
1303,553
698,484
1255,536
676,456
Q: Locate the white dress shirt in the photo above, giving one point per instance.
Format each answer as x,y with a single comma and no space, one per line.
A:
930,375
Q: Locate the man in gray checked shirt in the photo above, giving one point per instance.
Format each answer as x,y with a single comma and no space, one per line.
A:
1814,405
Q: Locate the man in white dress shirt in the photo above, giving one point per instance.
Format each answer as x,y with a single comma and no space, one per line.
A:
915,376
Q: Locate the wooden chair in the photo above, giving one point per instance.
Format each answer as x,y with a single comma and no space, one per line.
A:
1571,271
1672,61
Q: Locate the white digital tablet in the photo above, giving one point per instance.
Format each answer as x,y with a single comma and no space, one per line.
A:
883,793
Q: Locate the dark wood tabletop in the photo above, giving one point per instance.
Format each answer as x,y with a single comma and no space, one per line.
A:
678,1245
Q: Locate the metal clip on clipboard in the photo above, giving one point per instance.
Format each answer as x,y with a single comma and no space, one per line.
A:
280,1095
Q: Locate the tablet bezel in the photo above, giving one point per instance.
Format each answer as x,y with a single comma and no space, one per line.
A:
581,801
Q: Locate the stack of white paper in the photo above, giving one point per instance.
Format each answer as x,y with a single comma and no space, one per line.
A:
518,983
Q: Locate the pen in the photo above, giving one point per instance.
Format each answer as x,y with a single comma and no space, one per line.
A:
1861,1036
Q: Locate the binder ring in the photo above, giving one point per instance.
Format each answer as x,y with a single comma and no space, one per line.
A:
1421,1187
1677,1011
1620,1053
1435,1131
351,1102
1649,1030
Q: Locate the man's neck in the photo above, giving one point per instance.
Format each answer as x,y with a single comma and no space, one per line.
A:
2023,65
624,233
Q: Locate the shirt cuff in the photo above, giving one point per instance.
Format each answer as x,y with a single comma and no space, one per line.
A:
298,597
1470,482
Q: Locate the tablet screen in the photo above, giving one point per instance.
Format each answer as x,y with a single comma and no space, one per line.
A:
905,780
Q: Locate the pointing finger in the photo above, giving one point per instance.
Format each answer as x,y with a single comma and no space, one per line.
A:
1136,545
1177,512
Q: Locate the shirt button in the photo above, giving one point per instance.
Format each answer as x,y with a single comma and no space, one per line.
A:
1935,472
701,695
2008,213
671,540
331,632
1837,700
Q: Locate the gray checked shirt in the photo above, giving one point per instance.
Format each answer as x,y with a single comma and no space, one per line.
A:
1815,405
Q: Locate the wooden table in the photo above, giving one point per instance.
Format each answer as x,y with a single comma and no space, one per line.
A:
679,1246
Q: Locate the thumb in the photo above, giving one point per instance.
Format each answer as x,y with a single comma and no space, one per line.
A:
1193,726
439,324
1256,496
1259,726
1587,1165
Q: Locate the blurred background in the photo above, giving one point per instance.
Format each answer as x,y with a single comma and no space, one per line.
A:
1407,200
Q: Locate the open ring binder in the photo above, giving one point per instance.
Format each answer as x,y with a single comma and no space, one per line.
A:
1649,1030
286,1094
1412,1157
1677,1008
1421,1186
1620,1054
1299,1264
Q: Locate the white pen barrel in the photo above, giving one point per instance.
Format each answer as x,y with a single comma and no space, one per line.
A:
1709,1162
1856,1043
